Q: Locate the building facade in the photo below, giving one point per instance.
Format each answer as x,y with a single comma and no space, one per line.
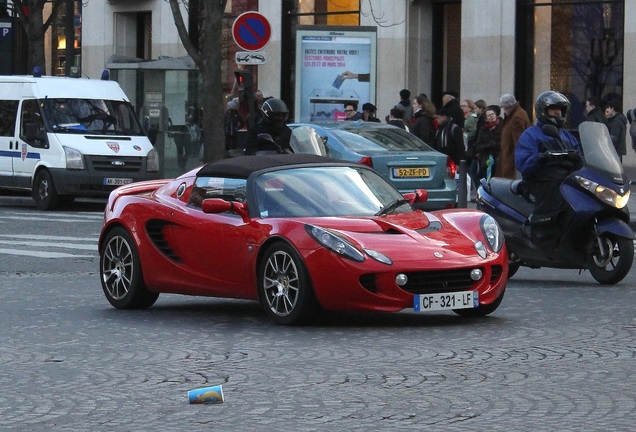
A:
479,48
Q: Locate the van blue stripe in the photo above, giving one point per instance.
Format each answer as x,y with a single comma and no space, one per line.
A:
15,154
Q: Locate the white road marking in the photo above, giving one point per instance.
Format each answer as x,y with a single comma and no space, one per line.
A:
40,244
42,254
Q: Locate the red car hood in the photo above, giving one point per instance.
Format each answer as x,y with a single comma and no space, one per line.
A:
413,236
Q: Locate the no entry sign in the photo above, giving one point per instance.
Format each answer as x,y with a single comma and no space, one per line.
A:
251,31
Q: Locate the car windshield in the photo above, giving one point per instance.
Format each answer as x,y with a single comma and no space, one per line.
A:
325,191
388,139
94,116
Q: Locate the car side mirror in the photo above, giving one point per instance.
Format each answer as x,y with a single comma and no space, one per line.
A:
219,205
419,196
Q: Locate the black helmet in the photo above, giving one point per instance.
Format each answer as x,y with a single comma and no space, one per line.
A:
552,99
276,111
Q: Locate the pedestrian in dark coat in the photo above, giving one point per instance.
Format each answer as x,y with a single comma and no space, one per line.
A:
405,105
423,119
617,125
449,138
487,146
450,102
395,119
594,111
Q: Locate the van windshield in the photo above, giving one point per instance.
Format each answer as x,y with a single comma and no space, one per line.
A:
94,116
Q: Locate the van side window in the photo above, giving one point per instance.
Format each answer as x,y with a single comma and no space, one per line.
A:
8,116
31,114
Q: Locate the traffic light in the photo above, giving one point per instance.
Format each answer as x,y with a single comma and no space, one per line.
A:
244,81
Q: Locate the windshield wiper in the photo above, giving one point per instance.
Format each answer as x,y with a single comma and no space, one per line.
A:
388,209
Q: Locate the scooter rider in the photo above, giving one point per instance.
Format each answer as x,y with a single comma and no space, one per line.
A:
273,122
543,172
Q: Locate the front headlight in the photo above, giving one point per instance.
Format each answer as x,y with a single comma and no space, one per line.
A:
152,161
335,243
607,195
74,159
493,234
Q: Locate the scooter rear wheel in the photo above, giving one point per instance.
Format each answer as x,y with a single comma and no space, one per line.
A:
611,267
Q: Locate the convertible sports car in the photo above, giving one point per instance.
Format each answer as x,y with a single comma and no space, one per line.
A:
298,233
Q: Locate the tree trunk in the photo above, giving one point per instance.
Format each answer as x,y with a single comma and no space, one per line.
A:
31,16
208,60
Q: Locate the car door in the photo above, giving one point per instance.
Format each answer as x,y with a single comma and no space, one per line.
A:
215,248
28,153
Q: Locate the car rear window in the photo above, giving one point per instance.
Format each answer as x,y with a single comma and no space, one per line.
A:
380,140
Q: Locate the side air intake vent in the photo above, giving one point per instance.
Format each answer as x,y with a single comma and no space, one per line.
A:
155,231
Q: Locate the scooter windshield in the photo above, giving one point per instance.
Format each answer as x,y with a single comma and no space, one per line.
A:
599,151
305,139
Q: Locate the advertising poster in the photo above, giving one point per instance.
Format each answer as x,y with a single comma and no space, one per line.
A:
334,65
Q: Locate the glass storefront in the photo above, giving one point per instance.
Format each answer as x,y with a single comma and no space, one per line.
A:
578,51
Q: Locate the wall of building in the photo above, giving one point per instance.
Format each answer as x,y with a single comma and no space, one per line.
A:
404,46
105,33
488,49
269,73
629,83
390,19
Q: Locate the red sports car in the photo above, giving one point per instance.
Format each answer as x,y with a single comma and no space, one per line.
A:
298,233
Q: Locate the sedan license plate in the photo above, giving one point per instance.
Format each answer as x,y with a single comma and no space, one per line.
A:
446,301
116,181
418,172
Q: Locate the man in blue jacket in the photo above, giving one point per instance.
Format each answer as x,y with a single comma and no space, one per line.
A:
543,172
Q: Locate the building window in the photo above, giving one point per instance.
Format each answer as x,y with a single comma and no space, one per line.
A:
578,51
328,12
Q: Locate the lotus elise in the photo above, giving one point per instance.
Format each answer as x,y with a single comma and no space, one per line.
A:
300,233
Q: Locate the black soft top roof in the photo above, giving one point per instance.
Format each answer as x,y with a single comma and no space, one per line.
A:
243,166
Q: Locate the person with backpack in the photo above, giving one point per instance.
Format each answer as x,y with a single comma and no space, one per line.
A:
449,137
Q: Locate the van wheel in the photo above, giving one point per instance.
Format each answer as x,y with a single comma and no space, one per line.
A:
44,192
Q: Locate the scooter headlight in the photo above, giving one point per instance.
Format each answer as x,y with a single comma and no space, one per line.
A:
607,195
493,234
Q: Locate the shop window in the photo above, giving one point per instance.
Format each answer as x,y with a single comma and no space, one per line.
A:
578,51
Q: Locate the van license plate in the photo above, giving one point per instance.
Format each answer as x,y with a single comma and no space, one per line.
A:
116,181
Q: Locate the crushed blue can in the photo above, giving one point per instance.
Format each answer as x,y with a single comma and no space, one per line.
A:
206,395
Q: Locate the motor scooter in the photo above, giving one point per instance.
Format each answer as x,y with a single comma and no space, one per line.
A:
596,234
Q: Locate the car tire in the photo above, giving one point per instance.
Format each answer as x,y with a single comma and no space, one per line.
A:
612,268
44,192
284,286
513,268
120,272
481,310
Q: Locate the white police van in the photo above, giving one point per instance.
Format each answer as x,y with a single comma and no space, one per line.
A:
62,138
